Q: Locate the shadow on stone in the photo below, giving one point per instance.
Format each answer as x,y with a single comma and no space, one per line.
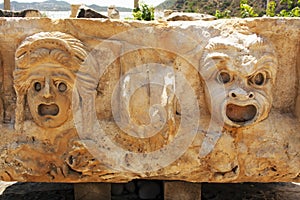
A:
210,191
39,191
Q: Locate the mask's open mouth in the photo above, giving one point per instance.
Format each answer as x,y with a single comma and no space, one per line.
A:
241,114
51,109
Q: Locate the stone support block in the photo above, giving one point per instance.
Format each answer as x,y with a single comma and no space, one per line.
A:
178,190
91,191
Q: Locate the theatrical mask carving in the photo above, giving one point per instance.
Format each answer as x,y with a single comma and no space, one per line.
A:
44,77
49,95
239,71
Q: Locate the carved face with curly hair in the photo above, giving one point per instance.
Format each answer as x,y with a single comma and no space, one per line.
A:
46,66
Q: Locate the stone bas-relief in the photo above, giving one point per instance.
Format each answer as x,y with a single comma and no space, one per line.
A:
239,70
46,66
236,68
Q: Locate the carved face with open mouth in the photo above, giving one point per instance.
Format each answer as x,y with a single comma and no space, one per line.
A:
241,114
49,95
239,100
239,81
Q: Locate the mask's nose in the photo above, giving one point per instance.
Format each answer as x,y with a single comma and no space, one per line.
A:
47,90
241,94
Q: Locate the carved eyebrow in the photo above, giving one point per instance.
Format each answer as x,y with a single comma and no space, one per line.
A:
210,64
267,58
217,56
36,77
65,77
266,63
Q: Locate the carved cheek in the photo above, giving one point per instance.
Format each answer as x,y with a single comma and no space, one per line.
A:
63,100
268,90
49,112
215,94
264,100
33,100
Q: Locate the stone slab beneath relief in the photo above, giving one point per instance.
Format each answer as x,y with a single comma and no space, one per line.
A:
110,101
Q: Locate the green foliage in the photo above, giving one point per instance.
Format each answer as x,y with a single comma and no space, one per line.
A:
220,15
293,8
128,18
44,14
227,3
291,3
191,7
238,8
246,10
271,9
295,12
143,12
283,13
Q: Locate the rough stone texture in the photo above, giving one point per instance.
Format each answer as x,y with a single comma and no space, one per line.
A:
74,10
180,16
88,100
23,13
176,190
89,191
298,97
113,12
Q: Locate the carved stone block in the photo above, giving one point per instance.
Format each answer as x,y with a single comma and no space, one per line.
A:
202,101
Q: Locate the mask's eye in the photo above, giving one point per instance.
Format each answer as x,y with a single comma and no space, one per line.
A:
62,87
37,86
259,79
224,77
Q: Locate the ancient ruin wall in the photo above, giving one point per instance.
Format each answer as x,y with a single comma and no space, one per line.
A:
111,101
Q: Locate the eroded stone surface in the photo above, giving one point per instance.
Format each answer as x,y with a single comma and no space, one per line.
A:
180,16
113,12
23,13
130,100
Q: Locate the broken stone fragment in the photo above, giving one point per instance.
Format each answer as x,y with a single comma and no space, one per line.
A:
86,12
180,16
23,13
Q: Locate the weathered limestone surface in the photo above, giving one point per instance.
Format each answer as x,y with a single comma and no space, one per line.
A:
113,12
110,101
180,16
23,13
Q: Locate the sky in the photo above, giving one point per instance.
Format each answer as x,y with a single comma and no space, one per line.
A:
119,3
